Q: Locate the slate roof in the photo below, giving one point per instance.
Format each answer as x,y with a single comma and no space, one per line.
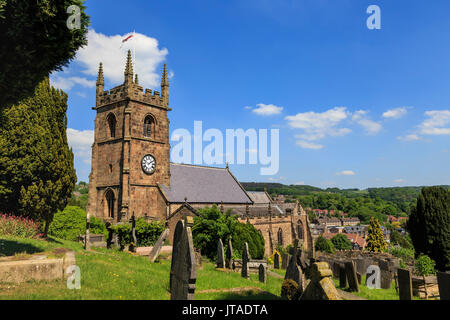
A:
259,197
203,185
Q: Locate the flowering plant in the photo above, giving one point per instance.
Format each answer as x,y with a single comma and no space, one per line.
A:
19,227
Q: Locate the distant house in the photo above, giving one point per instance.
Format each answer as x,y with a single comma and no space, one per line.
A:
350,221
358,242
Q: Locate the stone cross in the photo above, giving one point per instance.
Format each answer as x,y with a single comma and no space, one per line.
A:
352,278
321,286
444,285
276,261
229,260
87,239
158,245
220,255
183,272
293,271
262,273
245,259
405,284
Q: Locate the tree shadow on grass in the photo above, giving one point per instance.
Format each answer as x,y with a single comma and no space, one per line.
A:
11,247
248,295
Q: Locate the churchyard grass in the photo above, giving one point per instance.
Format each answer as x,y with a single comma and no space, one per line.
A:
114,275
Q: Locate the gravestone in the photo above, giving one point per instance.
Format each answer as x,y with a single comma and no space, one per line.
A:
229,260
386,274
220,255
133,234
262,273
245,273
183,272
405,284
358,275
276,261
158,245
284,261
444,285
352,278
342,276
321,286
87,239
293,271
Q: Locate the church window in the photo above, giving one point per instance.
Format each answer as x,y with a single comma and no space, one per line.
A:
280,237
112,125
110,203
148,126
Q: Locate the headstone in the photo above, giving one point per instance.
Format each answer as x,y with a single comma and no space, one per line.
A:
276,261
229,260
386,274
245,259
158,245
293,271
342,276
220,255
183,272
405,284
86,237
133,234
262,273
444,285
358,275
284,261
321,286
352,278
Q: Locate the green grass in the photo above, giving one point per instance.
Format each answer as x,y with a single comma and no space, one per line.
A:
114,275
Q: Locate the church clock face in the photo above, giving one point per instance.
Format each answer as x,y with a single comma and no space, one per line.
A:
148,164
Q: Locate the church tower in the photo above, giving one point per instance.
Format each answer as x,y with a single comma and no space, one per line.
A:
131,150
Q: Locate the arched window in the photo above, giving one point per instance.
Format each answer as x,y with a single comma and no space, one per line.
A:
109,197
280,237
112,125
300,230
149,124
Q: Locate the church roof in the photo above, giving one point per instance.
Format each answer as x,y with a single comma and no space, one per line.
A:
259,197
200,184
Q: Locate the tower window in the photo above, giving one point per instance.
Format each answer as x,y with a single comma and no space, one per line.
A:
112,125
148,126
280,237
109,197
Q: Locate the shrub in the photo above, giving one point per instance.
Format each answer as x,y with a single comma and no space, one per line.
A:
68,224
425,266
147,233
324,245
97,226
290,290
341,242
19,227
246,232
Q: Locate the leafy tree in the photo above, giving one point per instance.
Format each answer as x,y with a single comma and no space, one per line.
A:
212,225
341,242
36,165
429,225
35,41
324,245
375,239
68,224
398,239
425,266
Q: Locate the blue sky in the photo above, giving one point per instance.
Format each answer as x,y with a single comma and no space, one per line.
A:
355,107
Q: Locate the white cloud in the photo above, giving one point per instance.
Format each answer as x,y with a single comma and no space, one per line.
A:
437,124
346,173
300,183
399,180
410,137
395,113
106,49
370,126
267,109
81,143
317,126
309,145
68,83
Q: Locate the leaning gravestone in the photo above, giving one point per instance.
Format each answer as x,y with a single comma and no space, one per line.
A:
405,284
245,259
276,261
220,255
293,271
342,276
386,275
158,245
352,278
284,261
229,260
262,273
444,285
183,273
321,286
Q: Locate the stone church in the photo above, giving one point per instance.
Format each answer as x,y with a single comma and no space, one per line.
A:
132,174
